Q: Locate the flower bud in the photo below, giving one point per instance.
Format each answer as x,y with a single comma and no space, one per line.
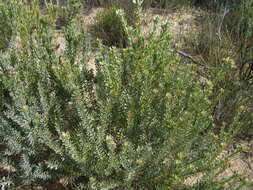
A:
168,95
25,108
140,161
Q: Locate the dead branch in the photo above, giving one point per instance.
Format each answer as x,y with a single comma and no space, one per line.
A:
188,56
226,11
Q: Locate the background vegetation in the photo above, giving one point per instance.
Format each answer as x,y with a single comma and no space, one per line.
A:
5,29
143,118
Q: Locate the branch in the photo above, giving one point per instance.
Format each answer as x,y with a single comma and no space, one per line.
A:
226,11
188,56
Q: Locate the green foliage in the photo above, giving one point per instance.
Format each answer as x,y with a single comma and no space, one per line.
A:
239,24
26,83
220,40
67,13
110,27
143,120
5,29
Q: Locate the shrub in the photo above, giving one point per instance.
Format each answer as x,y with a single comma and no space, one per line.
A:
110,27
222,39
67,13
143,121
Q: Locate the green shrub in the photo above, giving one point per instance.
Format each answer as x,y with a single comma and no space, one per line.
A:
110,27
67,13
5,29
227,38
143,121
